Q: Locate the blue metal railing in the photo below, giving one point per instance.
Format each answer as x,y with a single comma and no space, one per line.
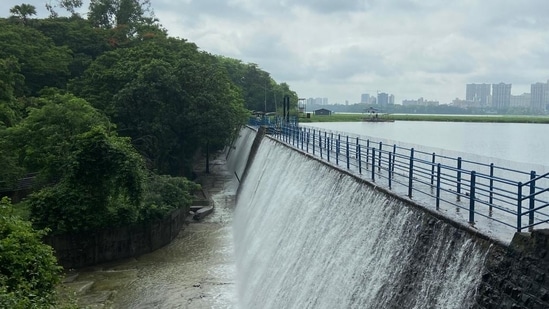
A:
479,190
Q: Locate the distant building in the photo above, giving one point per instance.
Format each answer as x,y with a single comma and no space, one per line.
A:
477,94
364,98
382,98
521,101
420,102
323,112
501,96
539,97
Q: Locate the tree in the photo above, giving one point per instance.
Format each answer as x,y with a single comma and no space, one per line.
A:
84,41
102,187
10,79
41,63
23,11
71,5
28,268
125,16
43,141
167,97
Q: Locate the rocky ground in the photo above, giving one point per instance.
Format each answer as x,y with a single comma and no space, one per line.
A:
196,270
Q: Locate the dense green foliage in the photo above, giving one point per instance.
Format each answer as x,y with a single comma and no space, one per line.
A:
102,186
28,268
165,193
106,113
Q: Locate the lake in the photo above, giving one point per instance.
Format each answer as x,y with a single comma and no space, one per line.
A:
517,145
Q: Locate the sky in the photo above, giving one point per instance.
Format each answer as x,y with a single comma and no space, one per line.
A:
339,49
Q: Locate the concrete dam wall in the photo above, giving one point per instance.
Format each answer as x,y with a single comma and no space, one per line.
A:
310,235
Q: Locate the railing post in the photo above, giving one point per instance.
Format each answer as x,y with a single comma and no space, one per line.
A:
433,158
337,151
394,155
519,208
390,168
356,148
438,187
472,198
332,141
320,144
359,160
411,173
328,142
458,182
302,139
491,198
308,139
348,163
373,164
314,141
531,201
379,157
367,152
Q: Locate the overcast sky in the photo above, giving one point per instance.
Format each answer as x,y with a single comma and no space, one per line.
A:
341,48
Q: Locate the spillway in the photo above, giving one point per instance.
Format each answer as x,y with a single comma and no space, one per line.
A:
308,236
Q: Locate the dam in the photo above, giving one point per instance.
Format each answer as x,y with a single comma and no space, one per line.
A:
308,235
291,230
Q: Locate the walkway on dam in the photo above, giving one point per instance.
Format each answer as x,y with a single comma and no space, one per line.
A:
196,271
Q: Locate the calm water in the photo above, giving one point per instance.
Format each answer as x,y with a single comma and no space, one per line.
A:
514,142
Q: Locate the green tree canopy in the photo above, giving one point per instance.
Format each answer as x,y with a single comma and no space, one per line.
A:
23,12
102,186
168,97
43,141
41,62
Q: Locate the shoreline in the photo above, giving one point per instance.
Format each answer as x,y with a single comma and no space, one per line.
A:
340,117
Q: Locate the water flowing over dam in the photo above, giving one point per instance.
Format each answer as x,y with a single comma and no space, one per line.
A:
308,236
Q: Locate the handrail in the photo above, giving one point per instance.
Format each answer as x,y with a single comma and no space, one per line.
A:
481,189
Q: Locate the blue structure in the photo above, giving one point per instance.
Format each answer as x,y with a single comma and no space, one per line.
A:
511,198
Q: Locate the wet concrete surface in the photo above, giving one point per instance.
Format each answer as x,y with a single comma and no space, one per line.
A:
196,270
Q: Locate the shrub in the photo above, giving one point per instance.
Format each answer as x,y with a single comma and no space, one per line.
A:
165,193
28,267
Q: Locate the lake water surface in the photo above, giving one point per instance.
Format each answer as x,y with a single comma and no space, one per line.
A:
521,145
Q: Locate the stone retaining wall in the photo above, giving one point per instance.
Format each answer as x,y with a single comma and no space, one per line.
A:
85,249
516,276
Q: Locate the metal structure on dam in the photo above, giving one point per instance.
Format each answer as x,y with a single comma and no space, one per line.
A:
496,200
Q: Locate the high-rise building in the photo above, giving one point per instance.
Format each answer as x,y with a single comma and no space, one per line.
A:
539,97
364,98
501,96
478,94
521,101
382,98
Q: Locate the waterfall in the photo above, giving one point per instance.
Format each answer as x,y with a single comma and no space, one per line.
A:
309,236
237,154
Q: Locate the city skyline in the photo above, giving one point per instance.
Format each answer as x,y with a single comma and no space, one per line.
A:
480,93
